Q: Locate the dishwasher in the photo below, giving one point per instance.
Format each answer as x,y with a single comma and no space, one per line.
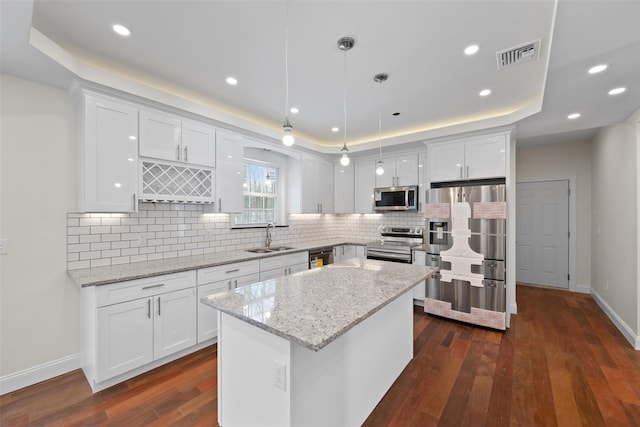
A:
320,256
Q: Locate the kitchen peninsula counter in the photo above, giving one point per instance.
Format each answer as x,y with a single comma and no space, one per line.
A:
320,347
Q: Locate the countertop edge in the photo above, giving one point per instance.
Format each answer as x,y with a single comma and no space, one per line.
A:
319,346
124,272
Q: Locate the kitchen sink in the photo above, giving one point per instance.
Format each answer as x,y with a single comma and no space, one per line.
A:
281,248
265,250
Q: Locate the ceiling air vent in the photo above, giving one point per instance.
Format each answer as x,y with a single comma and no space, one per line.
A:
518,54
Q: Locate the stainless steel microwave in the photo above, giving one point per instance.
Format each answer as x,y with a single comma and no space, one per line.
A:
396,198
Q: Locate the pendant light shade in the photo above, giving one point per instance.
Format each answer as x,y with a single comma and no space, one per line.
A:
287,130
345,44
380,78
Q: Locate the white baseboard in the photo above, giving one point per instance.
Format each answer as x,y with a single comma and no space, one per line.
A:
39,373
628,333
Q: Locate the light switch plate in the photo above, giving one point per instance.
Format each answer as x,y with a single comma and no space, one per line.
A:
4,246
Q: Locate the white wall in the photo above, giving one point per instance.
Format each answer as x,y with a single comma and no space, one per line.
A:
614,221
571,159
39,307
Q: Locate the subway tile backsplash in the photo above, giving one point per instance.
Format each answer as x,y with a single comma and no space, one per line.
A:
161,231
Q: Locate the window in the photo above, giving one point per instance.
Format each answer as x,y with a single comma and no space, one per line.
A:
260,194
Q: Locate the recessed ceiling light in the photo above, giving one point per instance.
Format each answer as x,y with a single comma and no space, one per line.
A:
573,116
121,29
335,129
597,69
294,110
485,92
232,81
617,91
395,114
471,49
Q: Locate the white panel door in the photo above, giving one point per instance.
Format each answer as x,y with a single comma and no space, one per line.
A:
208,316
542,244
110,157
485,158
125,338
365,181
198,143
344,188
160,135
174,322
229,172
446,161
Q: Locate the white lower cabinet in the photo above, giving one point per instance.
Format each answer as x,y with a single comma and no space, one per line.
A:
130,327
283,265
344,252
222,278
125,337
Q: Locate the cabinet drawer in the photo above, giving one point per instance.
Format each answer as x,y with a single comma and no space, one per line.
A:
282,261
140,288
227,271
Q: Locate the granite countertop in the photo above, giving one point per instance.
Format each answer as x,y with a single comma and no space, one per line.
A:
314,307
118,273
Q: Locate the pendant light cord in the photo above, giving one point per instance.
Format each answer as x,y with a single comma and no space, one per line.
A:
344,147
286,64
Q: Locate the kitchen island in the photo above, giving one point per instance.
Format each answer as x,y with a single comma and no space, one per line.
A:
317,348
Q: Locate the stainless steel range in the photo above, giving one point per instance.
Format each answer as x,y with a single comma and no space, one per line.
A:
395,244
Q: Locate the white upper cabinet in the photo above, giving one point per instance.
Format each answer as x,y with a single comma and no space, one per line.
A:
344,188
423,178
482,157
108,155
198,143
365,181
486,158
229,172
316,185
399,170
160,135
168,137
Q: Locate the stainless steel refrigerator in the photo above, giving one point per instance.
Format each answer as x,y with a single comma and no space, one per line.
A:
482,296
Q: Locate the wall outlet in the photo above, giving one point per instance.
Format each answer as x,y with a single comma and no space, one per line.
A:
4,246
280,378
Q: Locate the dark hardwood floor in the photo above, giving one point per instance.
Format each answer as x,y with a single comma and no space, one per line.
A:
562,363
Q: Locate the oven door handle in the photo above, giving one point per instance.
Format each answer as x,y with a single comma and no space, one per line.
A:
384,256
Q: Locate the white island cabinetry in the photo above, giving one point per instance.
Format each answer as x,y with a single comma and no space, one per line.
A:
349,334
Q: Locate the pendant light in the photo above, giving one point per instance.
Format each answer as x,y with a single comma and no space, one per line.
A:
380,78
345,44
287,137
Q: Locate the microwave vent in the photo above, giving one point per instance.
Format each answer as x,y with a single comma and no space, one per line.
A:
518,54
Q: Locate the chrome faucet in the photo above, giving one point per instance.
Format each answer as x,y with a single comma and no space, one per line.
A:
267,242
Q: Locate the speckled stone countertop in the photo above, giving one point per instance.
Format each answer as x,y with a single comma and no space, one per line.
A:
314,307
118,273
